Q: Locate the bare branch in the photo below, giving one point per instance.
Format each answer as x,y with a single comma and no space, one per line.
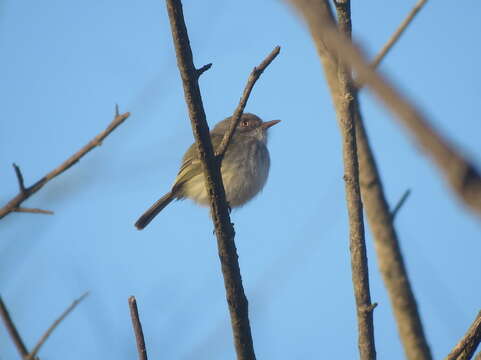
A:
18,173
466,347
12,330
139,334
463,177
14,204
253,77
400,203
389,255
33,211
224,229
345,98
397,34
203,69
50,330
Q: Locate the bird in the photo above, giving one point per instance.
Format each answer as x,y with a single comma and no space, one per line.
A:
244,168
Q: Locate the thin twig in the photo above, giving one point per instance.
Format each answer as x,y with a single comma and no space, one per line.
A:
400,203
18,173
253,77
463,177
12,330
466,347
139,334
397,34
345,96
33,211
378,213
15,203
236,299
52,327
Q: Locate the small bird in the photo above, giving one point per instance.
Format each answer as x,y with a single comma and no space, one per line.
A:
244,168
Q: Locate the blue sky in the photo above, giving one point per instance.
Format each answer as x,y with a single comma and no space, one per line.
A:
65,65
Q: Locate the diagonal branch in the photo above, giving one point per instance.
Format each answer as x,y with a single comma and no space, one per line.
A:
14,204
139,334
236,299
52,327
463,177
465,348
397,34
253,77
12,330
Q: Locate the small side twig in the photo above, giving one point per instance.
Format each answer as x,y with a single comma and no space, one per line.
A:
253,77
25,192
12,330
400,203
203,69
397,34
139,334
18,173
33,211
466,347
52,327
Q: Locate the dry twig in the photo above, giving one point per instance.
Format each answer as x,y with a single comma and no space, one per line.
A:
52,327
236,299
397,34
139,334
253,77
12,330
465,348
25,192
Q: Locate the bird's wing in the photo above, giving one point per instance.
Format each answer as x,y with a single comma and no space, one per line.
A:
191,165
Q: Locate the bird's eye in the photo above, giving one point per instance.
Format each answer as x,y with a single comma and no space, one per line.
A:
245,123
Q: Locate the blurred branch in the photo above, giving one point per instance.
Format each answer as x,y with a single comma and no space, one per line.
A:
377,210
224,229
12,330
400,203
139,334
463,177
52,327
465,348
253,77
14,204
345,97
478,356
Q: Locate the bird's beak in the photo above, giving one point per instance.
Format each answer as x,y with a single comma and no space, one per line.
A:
268,124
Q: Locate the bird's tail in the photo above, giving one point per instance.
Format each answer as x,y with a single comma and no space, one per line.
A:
154,210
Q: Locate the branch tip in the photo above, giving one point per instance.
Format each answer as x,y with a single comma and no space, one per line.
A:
18,174
203,69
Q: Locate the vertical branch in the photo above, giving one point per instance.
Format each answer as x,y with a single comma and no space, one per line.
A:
345,102
236,299
380,219
378,214
12,330
139,334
